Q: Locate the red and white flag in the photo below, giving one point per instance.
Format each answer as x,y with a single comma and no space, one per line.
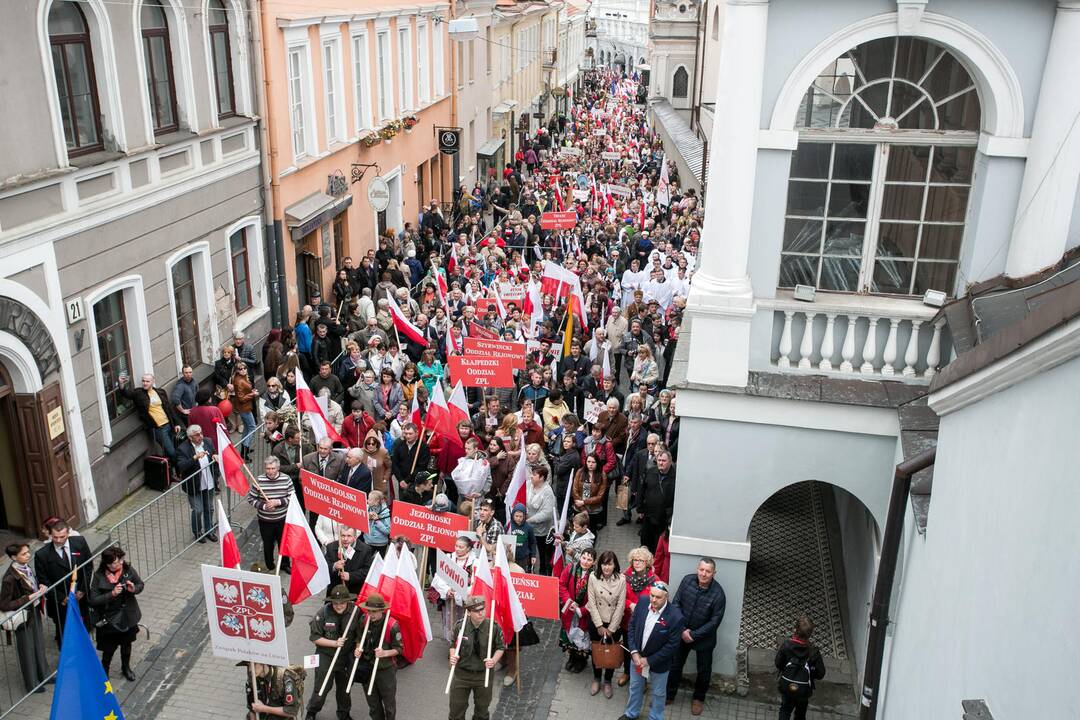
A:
230,551
641,214
403,325
306,403
483,584
516,491
499,307
453,341
508,611
558,281
232,465
410,611
310,574
459,404
533,307
387,581
439,417
451,263
371,580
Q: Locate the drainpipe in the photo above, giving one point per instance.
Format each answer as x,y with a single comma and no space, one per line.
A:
695,105
275,254
455,160
886,575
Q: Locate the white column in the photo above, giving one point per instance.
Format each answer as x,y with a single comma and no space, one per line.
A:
1044,211
721,300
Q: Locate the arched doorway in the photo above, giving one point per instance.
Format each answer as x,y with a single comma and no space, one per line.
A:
813,551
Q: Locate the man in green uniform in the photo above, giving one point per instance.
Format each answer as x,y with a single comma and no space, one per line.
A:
279,691
472,660
382,702
328,634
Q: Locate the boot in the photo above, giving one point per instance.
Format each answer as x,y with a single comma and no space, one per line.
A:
106,661
125,663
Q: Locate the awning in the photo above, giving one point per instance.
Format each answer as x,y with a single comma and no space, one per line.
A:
316,209
503,108
490,148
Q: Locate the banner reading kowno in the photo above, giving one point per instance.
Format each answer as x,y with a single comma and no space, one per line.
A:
244,610
452,574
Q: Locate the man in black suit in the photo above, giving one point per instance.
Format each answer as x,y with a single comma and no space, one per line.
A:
195,459
401,458
349,560
355,474
653,638
53,563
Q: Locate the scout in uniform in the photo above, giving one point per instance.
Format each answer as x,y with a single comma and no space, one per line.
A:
472,660
328,634
279,691
382,702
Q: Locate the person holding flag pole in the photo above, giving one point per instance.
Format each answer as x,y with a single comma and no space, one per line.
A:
480,647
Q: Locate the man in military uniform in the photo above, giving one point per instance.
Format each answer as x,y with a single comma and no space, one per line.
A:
279,691
328,634
382,702
471,660
286,606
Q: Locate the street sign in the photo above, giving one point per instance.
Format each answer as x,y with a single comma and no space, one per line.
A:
378,193
449,140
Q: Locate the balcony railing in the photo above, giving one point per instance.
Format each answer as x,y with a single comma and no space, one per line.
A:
858,336
551,57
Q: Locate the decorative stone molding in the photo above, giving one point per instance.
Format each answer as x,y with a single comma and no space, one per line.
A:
909,15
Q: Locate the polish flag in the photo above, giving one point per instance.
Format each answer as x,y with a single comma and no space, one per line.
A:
533,307
515,493
558,560
483,584
230,551
408,608
403,325
558,281
371,581
387,581
508,611
439,417
459,405
451,264
310,574
558,197
499,304
306,403
232,465
641,214
443,291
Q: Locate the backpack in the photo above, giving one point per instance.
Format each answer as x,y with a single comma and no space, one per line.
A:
795,681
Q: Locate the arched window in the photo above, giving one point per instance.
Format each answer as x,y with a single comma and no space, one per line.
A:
879,183
679,83
157,54
716,23
222,56
73,65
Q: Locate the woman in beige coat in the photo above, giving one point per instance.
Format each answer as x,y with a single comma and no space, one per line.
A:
607,602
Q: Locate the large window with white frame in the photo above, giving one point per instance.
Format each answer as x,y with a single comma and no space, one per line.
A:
423,64
880,180
382,72
361,82
405,68
114,352
73,67
221,55
298,75
333,90
157,56
438,64
186,309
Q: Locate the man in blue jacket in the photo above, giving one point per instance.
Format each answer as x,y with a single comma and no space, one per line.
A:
702,603
654,636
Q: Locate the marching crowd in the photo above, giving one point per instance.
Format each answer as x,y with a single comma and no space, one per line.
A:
596,303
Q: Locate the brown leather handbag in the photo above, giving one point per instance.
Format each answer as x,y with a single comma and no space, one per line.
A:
607,654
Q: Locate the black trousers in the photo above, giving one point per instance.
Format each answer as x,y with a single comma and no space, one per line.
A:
594,635
704,670
788,706
339,681
650,534
270,532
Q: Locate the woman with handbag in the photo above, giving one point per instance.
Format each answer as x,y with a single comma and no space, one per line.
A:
606,602
112,600
574,608
19,587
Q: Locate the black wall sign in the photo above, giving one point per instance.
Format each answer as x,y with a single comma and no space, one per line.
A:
449,140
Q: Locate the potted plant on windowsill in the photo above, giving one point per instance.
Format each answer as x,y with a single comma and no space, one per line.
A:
390,129
409,122
371,140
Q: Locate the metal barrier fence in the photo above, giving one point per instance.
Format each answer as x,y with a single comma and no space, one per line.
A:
152,536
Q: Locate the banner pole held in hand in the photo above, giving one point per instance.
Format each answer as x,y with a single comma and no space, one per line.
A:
491,635
356,661
382,636
337,652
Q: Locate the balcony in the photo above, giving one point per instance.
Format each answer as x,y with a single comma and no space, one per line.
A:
856,336
550,58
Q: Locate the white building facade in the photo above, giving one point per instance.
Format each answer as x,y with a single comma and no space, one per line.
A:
872,151
622,32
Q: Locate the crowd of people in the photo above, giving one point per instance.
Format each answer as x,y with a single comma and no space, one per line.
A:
591,412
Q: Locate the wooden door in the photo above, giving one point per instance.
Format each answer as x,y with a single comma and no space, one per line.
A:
49,485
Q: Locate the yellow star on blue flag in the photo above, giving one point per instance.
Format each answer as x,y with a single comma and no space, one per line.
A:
83,692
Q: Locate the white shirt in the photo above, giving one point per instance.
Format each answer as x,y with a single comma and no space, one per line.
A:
650,622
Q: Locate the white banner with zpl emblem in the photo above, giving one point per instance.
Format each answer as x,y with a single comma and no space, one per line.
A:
245,614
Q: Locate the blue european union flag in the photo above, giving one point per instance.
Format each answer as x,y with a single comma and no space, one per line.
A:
83,692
